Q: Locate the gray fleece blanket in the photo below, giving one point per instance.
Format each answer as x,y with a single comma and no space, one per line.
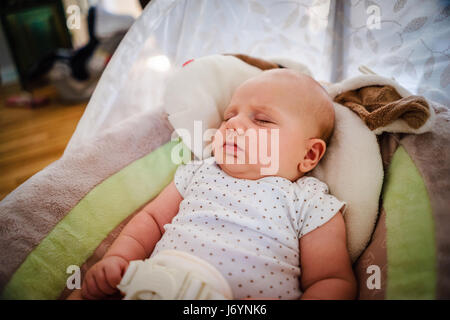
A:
32,210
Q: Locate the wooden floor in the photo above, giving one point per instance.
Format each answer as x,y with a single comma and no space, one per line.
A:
31,139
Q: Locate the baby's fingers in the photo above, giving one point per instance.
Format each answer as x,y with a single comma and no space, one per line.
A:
114,274
103,283
90,289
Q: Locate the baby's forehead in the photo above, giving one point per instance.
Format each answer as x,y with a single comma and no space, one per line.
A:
289,79
271,87
283,89
282,81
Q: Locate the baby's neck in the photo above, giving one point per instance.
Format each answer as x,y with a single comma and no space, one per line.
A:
249,175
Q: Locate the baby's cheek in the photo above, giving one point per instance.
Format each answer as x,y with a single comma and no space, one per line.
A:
274,144
217,138
287,149
266,149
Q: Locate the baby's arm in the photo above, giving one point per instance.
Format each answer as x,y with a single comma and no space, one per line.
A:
140,235
136,241
326,267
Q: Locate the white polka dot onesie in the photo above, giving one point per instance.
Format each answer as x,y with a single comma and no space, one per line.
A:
248,229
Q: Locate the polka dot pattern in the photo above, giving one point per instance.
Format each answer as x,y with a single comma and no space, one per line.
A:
248,229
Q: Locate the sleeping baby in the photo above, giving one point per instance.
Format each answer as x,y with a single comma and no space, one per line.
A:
279,235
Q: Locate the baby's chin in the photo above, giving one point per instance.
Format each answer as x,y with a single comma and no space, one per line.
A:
249,171
229,164
241,171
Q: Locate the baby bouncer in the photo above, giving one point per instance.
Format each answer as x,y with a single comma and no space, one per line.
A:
119,157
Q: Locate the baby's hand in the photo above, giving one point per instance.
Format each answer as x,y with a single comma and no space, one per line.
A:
102,279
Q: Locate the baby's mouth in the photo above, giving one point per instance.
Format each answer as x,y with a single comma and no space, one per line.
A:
232,148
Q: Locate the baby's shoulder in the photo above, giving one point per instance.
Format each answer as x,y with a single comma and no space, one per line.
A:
193,172
314,204
306,189
310,185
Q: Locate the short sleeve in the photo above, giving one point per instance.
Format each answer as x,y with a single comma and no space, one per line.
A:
183,176
317,206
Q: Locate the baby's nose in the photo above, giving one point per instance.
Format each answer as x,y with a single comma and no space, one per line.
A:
236,124
231,132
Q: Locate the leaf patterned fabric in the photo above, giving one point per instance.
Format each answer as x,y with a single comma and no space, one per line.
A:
410,43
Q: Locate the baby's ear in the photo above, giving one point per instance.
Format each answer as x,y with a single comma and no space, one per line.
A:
315,149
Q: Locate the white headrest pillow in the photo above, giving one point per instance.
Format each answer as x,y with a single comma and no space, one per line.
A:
352,166
201,91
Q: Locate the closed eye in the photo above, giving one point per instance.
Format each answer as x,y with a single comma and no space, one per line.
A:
227,117
262,118
263,121
258,119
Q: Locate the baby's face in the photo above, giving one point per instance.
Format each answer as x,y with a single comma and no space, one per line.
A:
268,127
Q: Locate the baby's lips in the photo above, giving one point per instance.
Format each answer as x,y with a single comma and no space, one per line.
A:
232,144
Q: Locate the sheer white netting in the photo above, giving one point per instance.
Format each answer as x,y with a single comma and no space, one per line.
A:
330,37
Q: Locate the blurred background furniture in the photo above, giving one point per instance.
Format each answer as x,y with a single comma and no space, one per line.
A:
33,28
48,72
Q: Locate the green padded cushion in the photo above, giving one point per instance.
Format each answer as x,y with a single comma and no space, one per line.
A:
410,238
73,240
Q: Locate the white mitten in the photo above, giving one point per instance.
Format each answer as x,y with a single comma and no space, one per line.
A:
174,275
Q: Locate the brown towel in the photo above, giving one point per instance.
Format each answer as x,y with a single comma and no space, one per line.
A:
379,106
256,62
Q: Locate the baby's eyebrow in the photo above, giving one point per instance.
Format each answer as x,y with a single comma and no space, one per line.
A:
267,109
262,108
